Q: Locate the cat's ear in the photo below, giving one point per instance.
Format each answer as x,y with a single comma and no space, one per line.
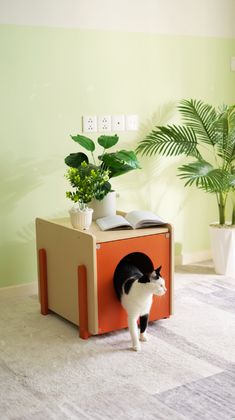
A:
158,271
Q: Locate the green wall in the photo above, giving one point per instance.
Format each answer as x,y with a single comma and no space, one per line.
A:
50,77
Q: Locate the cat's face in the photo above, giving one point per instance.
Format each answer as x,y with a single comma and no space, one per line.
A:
157,282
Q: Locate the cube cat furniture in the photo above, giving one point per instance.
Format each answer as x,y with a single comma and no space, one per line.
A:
76,268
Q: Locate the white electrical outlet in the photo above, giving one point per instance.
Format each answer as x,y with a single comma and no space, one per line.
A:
132,122
89,123
104,123
118,123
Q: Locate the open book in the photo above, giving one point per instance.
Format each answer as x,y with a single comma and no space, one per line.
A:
135,219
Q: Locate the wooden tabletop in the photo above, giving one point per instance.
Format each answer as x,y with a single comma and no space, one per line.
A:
112,235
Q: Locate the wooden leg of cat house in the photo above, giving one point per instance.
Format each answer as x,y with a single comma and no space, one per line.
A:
82,302
42,259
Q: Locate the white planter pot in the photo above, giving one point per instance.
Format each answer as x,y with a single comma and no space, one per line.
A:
223,249
105,207
81,219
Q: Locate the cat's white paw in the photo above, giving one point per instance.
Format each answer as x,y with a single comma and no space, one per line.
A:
143,337
136,347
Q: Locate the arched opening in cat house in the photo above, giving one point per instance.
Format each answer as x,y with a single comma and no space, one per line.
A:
140,260
132,264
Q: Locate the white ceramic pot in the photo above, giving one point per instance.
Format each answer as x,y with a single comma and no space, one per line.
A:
81,219
105,207
223,249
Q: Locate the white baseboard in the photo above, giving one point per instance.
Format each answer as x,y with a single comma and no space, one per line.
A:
19,290
193,257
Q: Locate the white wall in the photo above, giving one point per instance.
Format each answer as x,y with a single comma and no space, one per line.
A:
186,17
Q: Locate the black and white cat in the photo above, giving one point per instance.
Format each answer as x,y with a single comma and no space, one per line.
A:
135,290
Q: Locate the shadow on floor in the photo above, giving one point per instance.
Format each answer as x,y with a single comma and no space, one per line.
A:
204,267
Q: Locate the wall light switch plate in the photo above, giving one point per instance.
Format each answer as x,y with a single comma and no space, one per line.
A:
118,123
132,122
104,123
89,123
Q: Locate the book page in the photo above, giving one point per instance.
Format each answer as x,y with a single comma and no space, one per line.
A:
139,218
113,222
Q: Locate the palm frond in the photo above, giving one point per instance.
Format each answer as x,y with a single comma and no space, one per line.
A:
204,176
228,152
231,180
231,115
170,140
225,131
200,117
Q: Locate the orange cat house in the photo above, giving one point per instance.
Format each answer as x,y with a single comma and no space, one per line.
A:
76,268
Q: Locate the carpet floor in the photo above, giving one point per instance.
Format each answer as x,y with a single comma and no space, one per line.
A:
185,371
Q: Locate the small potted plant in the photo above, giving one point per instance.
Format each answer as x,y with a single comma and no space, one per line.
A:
97,172
88,182
208,137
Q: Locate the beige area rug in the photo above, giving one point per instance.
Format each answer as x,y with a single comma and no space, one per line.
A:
185,371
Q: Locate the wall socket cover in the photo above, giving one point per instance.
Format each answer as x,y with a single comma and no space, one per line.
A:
118,123
104,123
132,122
89,123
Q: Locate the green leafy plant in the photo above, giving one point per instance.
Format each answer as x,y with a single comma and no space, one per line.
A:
208,136
88,183
91,179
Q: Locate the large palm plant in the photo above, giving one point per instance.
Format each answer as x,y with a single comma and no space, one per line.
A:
208,136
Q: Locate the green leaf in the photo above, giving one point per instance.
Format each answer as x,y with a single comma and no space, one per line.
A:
225,130
86,170
204,176
200,117
74,160
107,141
170,140
120,162
231,180
106,188
85,142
